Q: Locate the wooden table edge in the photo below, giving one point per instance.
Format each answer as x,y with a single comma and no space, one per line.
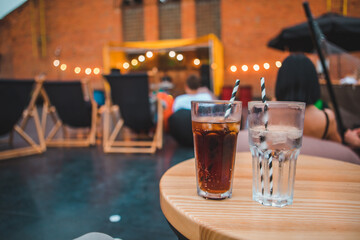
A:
169,210
185,224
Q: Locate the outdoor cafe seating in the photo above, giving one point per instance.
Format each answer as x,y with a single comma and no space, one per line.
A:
129,126
124,93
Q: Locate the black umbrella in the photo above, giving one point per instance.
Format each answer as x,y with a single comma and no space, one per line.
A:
339,30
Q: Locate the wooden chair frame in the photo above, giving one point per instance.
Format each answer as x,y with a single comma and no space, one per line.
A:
66,140
29,112
111,145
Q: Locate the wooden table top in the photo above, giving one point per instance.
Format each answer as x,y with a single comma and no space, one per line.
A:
326,204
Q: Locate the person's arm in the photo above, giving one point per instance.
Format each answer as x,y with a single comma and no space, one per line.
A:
332,133
352,137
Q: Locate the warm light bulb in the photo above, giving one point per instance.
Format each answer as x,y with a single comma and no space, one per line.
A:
244,68
149,54
134,62
256,67
77,70
141,58
172,54
126,65
96,71
266,66
88,71
179,57
63,67
197,61
56,63
233,68
278,64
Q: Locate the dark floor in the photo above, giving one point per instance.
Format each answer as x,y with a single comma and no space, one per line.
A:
67,192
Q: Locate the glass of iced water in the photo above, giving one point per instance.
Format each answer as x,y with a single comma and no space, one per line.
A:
275,137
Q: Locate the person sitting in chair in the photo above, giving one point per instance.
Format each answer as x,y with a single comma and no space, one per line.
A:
297,80
192,86
180,121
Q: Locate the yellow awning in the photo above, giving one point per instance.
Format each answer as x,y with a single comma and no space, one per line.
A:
114,52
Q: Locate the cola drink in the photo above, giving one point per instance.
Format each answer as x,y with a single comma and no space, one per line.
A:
215,149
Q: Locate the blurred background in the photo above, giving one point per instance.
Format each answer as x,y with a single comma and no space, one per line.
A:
86,38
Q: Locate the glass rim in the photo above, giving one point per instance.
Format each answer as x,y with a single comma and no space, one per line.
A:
215,101
301,104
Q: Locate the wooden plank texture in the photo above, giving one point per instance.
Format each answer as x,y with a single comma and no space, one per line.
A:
326,204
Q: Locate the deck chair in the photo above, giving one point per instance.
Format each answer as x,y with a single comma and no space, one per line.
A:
17,103
66,104
129,95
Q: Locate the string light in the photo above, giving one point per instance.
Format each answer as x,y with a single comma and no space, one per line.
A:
197,61
172,54
56,63
149,54
266,66
96,71
179,57
63,67
126,65
77,70
134,62
88,71
141,58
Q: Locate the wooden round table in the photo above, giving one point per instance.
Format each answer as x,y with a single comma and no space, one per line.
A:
326,204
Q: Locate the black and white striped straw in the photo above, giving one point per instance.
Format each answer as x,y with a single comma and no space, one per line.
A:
233,95
263,98
264,144
261,176
271,174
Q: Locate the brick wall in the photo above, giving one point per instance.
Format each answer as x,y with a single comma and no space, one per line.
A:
81,28
247,26
151,14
